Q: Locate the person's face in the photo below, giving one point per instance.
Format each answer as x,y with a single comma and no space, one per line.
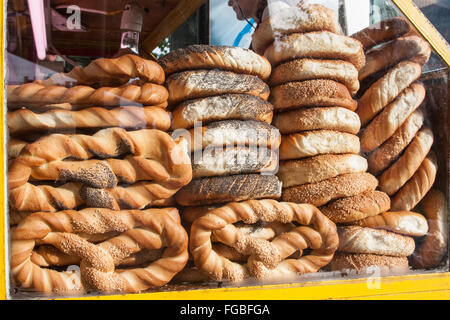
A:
248,8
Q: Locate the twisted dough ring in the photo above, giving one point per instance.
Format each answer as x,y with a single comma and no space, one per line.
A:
150,229
267,259
24,120
154,157
110,71
35,95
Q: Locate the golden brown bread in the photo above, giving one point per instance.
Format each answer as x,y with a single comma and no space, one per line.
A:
24,120
407,164
392,117
391,149
354,239
301,19
233,133
320,118
417,187
381,32
136,229
106,72
266,259
319,168
386,89
222,107
316,45
312,143
15,146
411,48
403,222
357,207
153,155
435,245
188,85
320,193
311,93
233,59
217,190
310,69
364,262
33,94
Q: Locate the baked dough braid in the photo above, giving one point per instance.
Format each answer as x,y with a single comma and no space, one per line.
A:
24,120
34,94
70,232
109,72
155,157
267,260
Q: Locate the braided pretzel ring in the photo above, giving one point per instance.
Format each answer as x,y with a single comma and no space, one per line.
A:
110,71
266,259
155,157
150,229
34,94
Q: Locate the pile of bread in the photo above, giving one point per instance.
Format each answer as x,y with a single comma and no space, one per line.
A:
227,195
83,187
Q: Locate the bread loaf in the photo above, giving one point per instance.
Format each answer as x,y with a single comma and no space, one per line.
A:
320,118
364,262
233,59
311,93
222,107
319,168
316,45
312,143
301,19
217,190
310,69
205,83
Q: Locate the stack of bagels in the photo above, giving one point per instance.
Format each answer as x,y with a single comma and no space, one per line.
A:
237,228
83,187
396,139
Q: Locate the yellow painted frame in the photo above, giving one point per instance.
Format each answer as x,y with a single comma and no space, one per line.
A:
414,286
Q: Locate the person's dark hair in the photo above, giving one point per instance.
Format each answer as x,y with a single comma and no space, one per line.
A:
259,12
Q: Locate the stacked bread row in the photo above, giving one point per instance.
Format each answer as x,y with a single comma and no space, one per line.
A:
237,229
395,137
81,191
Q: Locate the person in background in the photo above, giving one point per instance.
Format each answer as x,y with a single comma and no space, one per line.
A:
258,10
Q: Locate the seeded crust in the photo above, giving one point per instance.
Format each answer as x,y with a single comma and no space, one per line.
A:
404,167
321,118
313,143
188,85
387,88
234,132
310,93
217,190
384,125
381,32
220,161
316,45
383,156
306,18
319,168
418,186
357,207
222,107
310,69
362,261
320,193
354,239
225,58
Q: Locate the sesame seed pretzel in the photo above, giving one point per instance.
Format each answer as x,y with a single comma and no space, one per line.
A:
267,260
155,165
71,232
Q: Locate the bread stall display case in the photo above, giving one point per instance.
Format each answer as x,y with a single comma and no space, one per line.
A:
183,150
